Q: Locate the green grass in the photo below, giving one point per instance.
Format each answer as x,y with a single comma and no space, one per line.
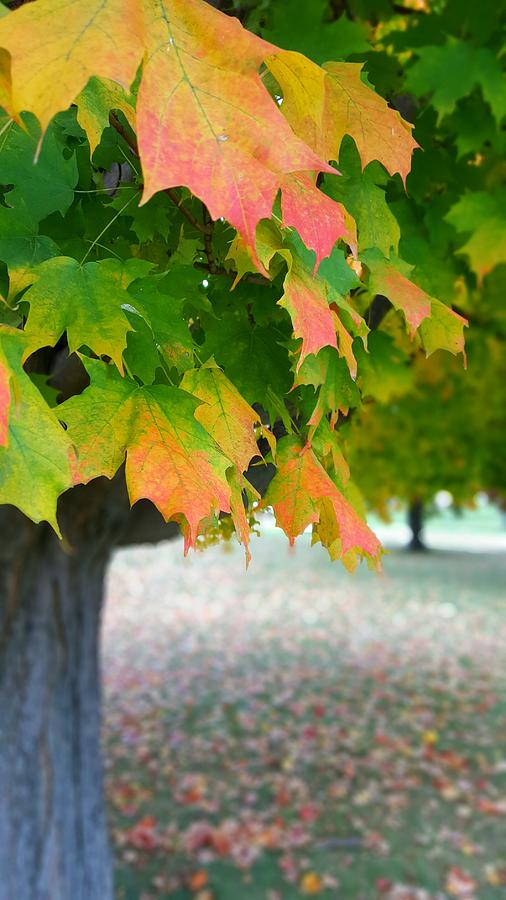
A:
260,698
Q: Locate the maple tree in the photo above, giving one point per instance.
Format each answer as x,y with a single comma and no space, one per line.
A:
208,259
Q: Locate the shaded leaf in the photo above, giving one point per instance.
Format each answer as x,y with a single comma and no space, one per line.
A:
85,301
482,216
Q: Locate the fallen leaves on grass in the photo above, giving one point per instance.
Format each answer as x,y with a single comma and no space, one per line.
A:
305,732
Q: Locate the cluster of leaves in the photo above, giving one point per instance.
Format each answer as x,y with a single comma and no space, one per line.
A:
179,155
433,425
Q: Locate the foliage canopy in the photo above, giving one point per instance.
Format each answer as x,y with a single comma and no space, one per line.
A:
211,228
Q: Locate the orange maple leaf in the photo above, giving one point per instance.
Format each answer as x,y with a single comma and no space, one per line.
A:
302,493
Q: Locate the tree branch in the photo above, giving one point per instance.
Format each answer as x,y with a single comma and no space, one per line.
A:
250,279
377,311
208,241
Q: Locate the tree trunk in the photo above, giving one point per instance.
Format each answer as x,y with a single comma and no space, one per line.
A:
53,833
415,521
53,837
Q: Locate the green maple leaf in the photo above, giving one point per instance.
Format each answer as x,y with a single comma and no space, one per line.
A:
160,301
363,195
474,127
34,460
336,271
156,217
483,216
451,72
86,301
21,253
302,27
328,373
38,189
443,330
384,372
252,356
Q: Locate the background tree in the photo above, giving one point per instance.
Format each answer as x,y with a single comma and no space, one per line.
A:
178,156
442,435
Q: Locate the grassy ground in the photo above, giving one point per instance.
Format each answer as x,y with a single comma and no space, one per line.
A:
296,731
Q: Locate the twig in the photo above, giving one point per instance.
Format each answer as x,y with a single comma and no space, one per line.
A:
208,241
250,279
177,201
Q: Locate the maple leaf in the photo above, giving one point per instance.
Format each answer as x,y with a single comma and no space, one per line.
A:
37,191
307,303
22,253
318,219
324,104
170,458
337,391
227,417
94,105
439,327
225,414
218,106
363,195
251,356
387,280
444,330
345,344
481,215
325,443
83,300
301,493
204,118
159,300
34,478
450,72
304,297
314,305
239,517
51,63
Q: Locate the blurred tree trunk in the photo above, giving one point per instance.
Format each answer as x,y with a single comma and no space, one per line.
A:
415,522
53,832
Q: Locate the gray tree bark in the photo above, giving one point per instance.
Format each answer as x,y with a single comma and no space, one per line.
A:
53,837
53,831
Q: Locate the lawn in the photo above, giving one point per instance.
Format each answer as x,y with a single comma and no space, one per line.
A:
295,731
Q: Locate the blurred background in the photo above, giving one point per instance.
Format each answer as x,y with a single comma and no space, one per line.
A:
299,731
